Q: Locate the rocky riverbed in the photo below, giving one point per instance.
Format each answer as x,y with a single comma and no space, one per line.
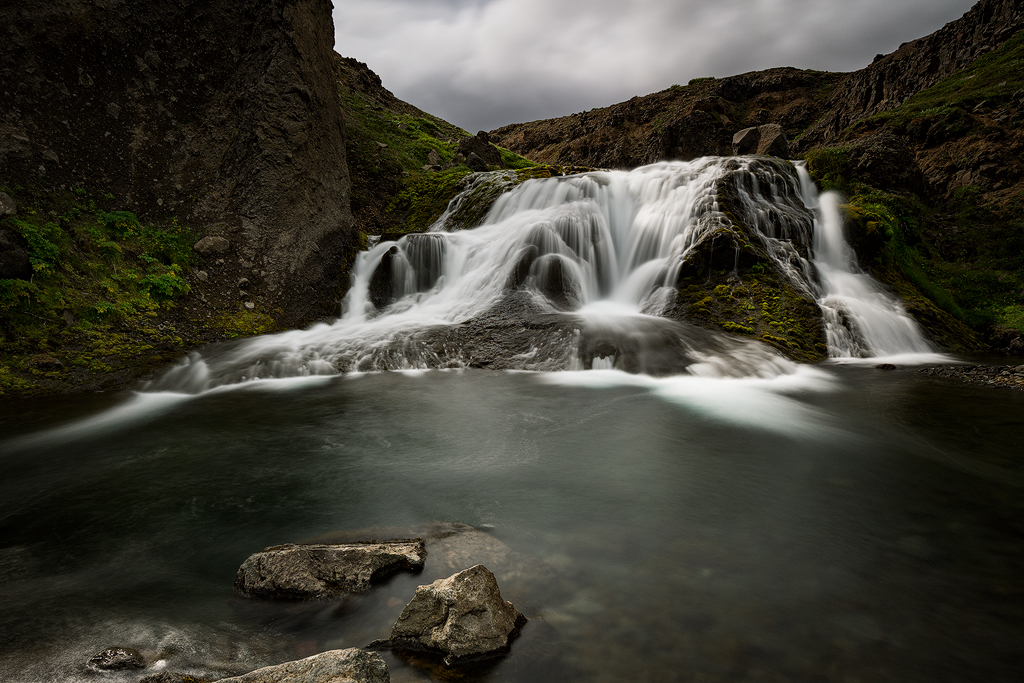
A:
1011,376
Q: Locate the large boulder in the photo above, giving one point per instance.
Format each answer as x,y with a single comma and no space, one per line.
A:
462,618
321,572
768,139
480,145
337,666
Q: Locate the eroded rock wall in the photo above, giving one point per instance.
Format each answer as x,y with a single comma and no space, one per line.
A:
221,113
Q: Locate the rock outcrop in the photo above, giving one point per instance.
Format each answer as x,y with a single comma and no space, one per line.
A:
337,666
223,114
768,139
319,572
462,618
892,79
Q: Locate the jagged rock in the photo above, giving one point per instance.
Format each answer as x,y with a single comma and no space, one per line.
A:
212,244
14,261
7,205
480,146
433,157
745,141
766,139
773,141
318,572
337,666
884,160
462,617
117,658
475,162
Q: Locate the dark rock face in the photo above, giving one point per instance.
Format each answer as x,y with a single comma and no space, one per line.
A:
480,146
462,617
891,80
214,112
14,262
884,159
7,205
117,659
318,572
337,666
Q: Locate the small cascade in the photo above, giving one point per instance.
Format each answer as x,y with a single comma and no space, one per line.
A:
573,273
862,320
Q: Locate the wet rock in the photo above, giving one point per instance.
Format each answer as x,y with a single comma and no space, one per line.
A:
117,659
44,361
7,205
212,244
885,366
462,618
14,261
382,280
337,666
319,572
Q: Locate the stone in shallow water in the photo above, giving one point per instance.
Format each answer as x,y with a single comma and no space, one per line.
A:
117,658
318,572
462,618
337,666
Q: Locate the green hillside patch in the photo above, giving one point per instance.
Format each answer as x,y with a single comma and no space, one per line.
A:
101,280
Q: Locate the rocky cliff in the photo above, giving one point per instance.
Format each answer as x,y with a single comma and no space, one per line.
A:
221,114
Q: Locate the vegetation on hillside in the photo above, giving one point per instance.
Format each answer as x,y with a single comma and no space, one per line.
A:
961,246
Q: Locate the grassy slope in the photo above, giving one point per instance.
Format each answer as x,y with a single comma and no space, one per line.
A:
963,249
105,299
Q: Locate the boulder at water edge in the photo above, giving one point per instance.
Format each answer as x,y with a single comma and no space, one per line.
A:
337,666
462,618
319,572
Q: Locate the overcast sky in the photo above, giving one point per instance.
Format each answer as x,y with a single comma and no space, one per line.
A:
483,63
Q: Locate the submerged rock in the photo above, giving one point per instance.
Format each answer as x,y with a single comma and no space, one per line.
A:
319,572
462,618
117,659
337,666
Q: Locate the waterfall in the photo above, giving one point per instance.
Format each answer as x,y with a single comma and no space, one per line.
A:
862,320
573,273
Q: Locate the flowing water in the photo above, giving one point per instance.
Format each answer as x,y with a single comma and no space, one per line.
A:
730,516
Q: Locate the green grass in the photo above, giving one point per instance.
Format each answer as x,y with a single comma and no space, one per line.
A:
101,280
993,78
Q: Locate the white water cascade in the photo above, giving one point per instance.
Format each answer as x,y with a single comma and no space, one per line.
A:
575,272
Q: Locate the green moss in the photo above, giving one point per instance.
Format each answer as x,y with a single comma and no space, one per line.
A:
245,323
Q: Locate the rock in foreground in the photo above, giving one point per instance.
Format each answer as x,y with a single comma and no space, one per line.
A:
337,666
319,572
117,659
462,617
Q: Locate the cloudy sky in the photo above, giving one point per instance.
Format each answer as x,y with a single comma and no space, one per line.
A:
483,63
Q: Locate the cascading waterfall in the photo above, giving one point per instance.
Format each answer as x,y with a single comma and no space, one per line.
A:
585,261
861,319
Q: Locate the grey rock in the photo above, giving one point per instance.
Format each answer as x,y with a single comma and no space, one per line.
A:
433,157
745,141
7,205
482,148
336,666
319,572
773,141
475,162
202,276
117,658
212,244
765,139
462,618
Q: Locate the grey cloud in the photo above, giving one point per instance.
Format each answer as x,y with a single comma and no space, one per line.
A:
484,63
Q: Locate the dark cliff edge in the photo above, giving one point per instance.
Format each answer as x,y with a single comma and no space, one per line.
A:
221,114
131,130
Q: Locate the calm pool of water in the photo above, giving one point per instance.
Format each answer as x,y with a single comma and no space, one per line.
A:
845,524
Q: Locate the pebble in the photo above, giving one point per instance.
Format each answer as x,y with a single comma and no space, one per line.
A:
1010,376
